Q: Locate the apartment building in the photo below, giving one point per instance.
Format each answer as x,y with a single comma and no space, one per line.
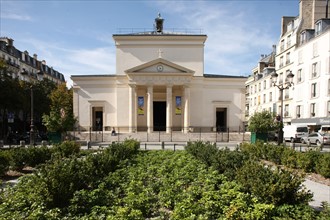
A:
25,67
311,104
303,49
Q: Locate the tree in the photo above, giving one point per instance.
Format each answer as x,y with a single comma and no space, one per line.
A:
61,118
263,122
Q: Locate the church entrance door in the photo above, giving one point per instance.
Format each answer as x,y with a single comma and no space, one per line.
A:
221,117
159,116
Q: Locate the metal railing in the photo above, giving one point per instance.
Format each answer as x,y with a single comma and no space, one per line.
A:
158,134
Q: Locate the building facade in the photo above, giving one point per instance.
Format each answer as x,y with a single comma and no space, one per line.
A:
25,67
303,49
159,85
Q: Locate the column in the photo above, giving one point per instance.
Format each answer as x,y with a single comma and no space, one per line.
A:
169,109
132,109
186,122
150,112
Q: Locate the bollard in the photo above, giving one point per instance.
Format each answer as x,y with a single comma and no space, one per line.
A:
293,145
163,145
88,144
145,146
44,143
174,147
22,143
1,143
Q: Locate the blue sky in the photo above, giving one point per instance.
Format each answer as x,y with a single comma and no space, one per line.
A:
75,36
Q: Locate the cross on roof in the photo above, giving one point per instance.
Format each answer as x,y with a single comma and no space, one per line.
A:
160,53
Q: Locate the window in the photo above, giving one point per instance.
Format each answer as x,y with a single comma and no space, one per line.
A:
312,110
286,75
314,69
303,37
280,78
318,28
287,58
298,111
287,94
286,110
313,90
299,75
270,97
282,45
255,101
255,88
281,62
259,86
328,109
265,84
264,100
329,87
289,41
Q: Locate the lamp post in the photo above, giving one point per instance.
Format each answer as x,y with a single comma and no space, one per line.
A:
32,124
282,86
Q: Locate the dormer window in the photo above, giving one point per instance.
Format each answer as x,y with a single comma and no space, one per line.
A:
318,28
303,37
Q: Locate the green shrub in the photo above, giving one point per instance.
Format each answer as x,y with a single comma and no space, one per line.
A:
66,148
272,185
289,158
4,161
300,211
229,162
308,160
38,155
323,165
204,151
62,178
19,158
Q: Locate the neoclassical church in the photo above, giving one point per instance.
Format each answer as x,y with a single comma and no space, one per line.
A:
159,85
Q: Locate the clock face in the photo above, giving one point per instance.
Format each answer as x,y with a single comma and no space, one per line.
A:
160,68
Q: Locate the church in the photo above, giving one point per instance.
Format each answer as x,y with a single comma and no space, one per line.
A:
159,85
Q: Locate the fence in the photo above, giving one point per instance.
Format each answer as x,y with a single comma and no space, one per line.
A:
159,134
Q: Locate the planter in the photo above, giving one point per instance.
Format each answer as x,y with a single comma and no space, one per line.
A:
258,136
54,137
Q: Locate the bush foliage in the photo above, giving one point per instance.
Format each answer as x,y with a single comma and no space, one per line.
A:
122,182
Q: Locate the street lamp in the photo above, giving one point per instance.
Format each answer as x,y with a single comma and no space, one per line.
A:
32,124
282,86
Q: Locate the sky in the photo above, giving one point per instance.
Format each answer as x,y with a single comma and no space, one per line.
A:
75,36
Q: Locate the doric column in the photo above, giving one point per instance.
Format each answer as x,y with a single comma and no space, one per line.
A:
169,109
132,108
150,112
186,121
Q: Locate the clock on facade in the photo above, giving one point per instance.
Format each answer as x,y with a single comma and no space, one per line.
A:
160,68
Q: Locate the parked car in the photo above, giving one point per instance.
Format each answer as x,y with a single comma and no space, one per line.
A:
294,133
316,138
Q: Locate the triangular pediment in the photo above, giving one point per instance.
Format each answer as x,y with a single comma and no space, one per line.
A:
159,65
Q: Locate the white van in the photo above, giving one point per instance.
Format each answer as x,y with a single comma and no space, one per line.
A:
324,129
294,133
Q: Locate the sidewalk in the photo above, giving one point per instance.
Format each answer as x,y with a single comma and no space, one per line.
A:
321,193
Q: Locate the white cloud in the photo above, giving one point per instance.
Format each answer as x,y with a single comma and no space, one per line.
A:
13,11
72,61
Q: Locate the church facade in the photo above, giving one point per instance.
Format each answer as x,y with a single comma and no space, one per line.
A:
159,85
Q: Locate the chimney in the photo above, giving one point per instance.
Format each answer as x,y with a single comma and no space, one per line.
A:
35,56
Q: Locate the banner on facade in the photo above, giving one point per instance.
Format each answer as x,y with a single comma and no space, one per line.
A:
178,105
140,105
